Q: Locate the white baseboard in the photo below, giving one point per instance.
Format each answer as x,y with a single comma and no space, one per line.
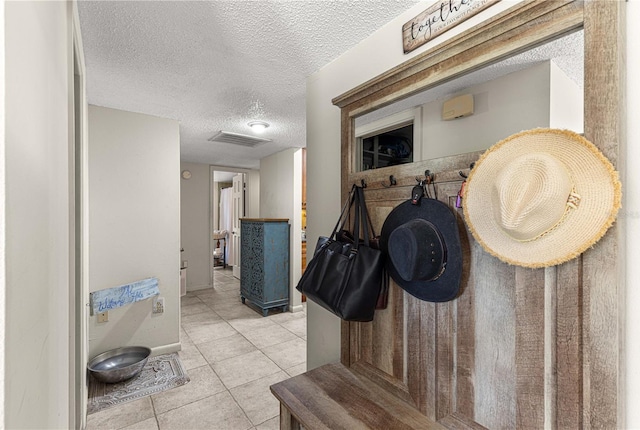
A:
298,308
166,349
198,287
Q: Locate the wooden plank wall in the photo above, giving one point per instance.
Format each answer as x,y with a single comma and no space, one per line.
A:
519,348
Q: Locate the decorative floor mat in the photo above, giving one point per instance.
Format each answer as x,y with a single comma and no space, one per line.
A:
162,372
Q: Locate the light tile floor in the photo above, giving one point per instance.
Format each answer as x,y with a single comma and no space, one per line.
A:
232,355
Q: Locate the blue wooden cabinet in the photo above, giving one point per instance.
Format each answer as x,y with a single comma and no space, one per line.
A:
264,251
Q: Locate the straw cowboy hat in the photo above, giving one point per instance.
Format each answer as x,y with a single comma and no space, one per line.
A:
541,197
421,244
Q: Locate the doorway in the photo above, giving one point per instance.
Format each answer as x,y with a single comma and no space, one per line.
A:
229,203
221,221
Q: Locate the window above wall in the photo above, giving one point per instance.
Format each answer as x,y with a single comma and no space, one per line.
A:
389,141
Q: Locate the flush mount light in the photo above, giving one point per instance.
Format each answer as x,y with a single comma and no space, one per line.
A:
258,126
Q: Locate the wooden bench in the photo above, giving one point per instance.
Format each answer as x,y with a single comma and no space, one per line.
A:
333,397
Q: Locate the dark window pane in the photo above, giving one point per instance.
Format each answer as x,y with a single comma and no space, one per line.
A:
388,149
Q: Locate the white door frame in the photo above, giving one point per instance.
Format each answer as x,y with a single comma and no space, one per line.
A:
79,228
238,213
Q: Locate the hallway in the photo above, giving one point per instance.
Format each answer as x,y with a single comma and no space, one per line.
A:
232,355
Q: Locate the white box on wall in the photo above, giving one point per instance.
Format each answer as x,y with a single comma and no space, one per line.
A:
457,107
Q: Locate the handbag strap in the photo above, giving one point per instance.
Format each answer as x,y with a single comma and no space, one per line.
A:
362,211
372,233
362,222
356,224
346,209
362,219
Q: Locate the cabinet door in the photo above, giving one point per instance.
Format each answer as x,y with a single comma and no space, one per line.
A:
276,256
253,267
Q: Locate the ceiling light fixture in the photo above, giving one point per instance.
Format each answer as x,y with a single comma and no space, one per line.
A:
258,126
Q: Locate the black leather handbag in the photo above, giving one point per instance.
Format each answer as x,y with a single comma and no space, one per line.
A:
345,276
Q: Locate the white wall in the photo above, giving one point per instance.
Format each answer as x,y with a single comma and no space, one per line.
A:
194,225
134,174
503,106
3,194
375,55
539,96
35,179
252,196
281,197
567,102
323,205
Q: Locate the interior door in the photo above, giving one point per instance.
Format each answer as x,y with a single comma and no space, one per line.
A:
238,212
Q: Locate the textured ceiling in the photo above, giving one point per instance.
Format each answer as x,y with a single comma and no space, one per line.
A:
216,65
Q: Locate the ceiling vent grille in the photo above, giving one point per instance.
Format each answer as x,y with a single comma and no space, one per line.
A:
238,139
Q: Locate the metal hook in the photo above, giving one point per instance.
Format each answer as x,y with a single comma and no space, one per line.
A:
429,180
470,168
392,182
430,176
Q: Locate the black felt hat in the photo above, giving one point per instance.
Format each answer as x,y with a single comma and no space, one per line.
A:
422,246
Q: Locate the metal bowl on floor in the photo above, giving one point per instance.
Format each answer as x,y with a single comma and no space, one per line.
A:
119,364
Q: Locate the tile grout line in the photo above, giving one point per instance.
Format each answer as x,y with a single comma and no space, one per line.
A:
155,414
252,425
224,294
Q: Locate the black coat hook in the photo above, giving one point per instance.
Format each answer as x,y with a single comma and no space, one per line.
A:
470,168
392,182
429,176
429,179
363,183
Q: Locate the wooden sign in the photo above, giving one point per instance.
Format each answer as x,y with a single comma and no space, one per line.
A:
442,16
111,298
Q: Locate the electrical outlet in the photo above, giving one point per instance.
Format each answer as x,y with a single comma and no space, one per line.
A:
103,317
158,305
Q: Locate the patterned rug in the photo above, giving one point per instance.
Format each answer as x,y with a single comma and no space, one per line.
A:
162,372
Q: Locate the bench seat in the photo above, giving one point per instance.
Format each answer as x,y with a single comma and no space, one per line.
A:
332,397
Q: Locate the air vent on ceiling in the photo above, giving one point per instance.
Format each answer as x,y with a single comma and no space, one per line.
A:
238,139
